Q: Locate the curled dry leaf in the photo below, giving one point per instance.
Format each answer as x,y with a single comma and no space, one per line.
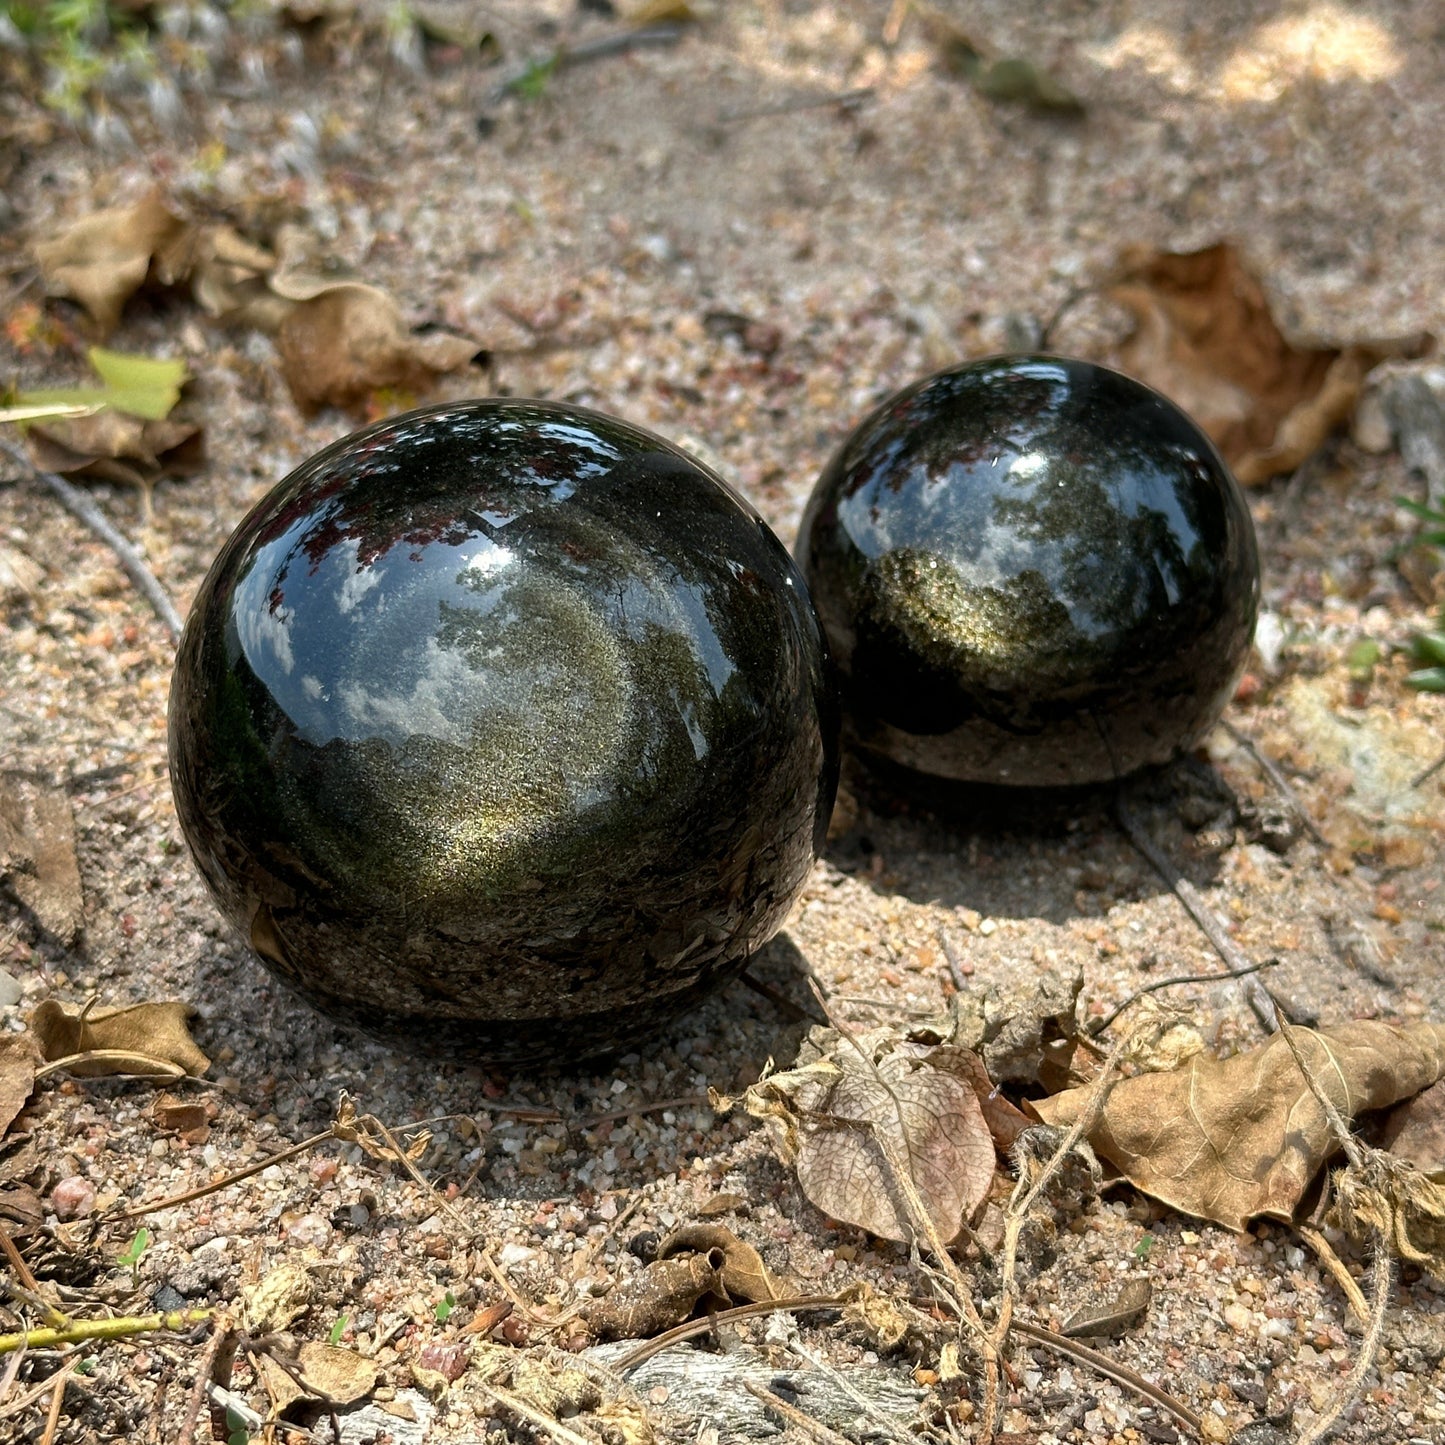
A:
745,1278
18,1058
863,1118
189,1118
330,1373
1204,335
102,260
342,345
144,1031
662,1295
110,446
879,1318
1124,1308
278,1299
1229,1140
37,854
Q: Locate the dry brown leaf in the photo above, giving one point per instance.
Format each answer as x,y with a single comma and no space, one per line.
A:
18,1058
1122,1311
186,1117
1230,1140
662,1295
745,1277
20,574
230,279
37,854
114,447
335,1374
278,1299
1205,337
103,260
150,1030
721,1204
341,346
1415,1132
860,1113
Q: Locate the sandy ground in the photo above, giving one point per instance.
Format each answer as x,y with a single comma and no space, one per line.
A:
584,237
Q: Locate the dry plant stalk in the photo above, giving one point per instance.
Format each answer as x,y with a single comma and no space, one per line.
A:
960,1298
1368,1166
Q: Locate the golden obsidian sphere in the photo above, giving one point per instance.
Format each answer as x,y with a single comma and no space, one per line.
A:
505,729
1032,571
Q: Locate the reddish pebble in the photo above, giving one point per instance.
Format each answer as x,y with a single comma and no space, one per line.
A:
448,1360
73,1197
1249,688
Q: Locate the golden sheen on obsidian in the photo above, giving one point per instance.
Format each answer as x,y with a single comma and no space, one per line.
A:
1032,571
503,728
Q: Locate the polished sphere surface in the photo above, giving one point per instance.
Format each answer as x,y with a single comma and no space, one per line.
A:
1032,571
503,728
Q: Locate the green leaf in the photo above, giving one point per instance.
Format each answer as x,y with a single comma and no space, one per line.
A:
141,386
1362,657
337,1330
445,1305
138,1247
138,386
1430,648
1428,679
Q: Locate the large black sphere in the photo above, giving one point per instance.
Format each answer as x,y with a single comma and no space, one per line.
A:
503,728
1032,571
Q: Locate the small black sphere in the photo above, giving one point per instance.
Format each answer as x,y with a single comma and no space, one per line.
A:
503,728
1032,571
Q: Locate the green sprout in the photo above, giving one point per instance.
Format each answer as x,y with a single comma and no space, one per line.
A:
1428,648
337,1330
1145,1247
133,1253
444,1307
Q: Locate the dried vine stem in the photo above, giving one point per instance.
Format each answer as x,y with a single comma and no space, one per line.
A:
1363,1162
1111,1370
1026,1193
1275,774
83,509
798,1419
1264,1006
923,1223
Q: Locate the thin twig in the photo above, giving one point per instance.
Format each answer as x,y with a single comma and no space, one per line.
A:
690,1329
84,509
1275,774
1110,1370
48,1312
52,1316
171,1200
796,1013
196,1401
1381,1279
864,1404
845,100
23,1402
1325,1253
516,1405
1420,779
955,963
1209,922
798,1419
121,1063
1381,1275
1026,1192
52,1416
922,1222
566,56
1096,1027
